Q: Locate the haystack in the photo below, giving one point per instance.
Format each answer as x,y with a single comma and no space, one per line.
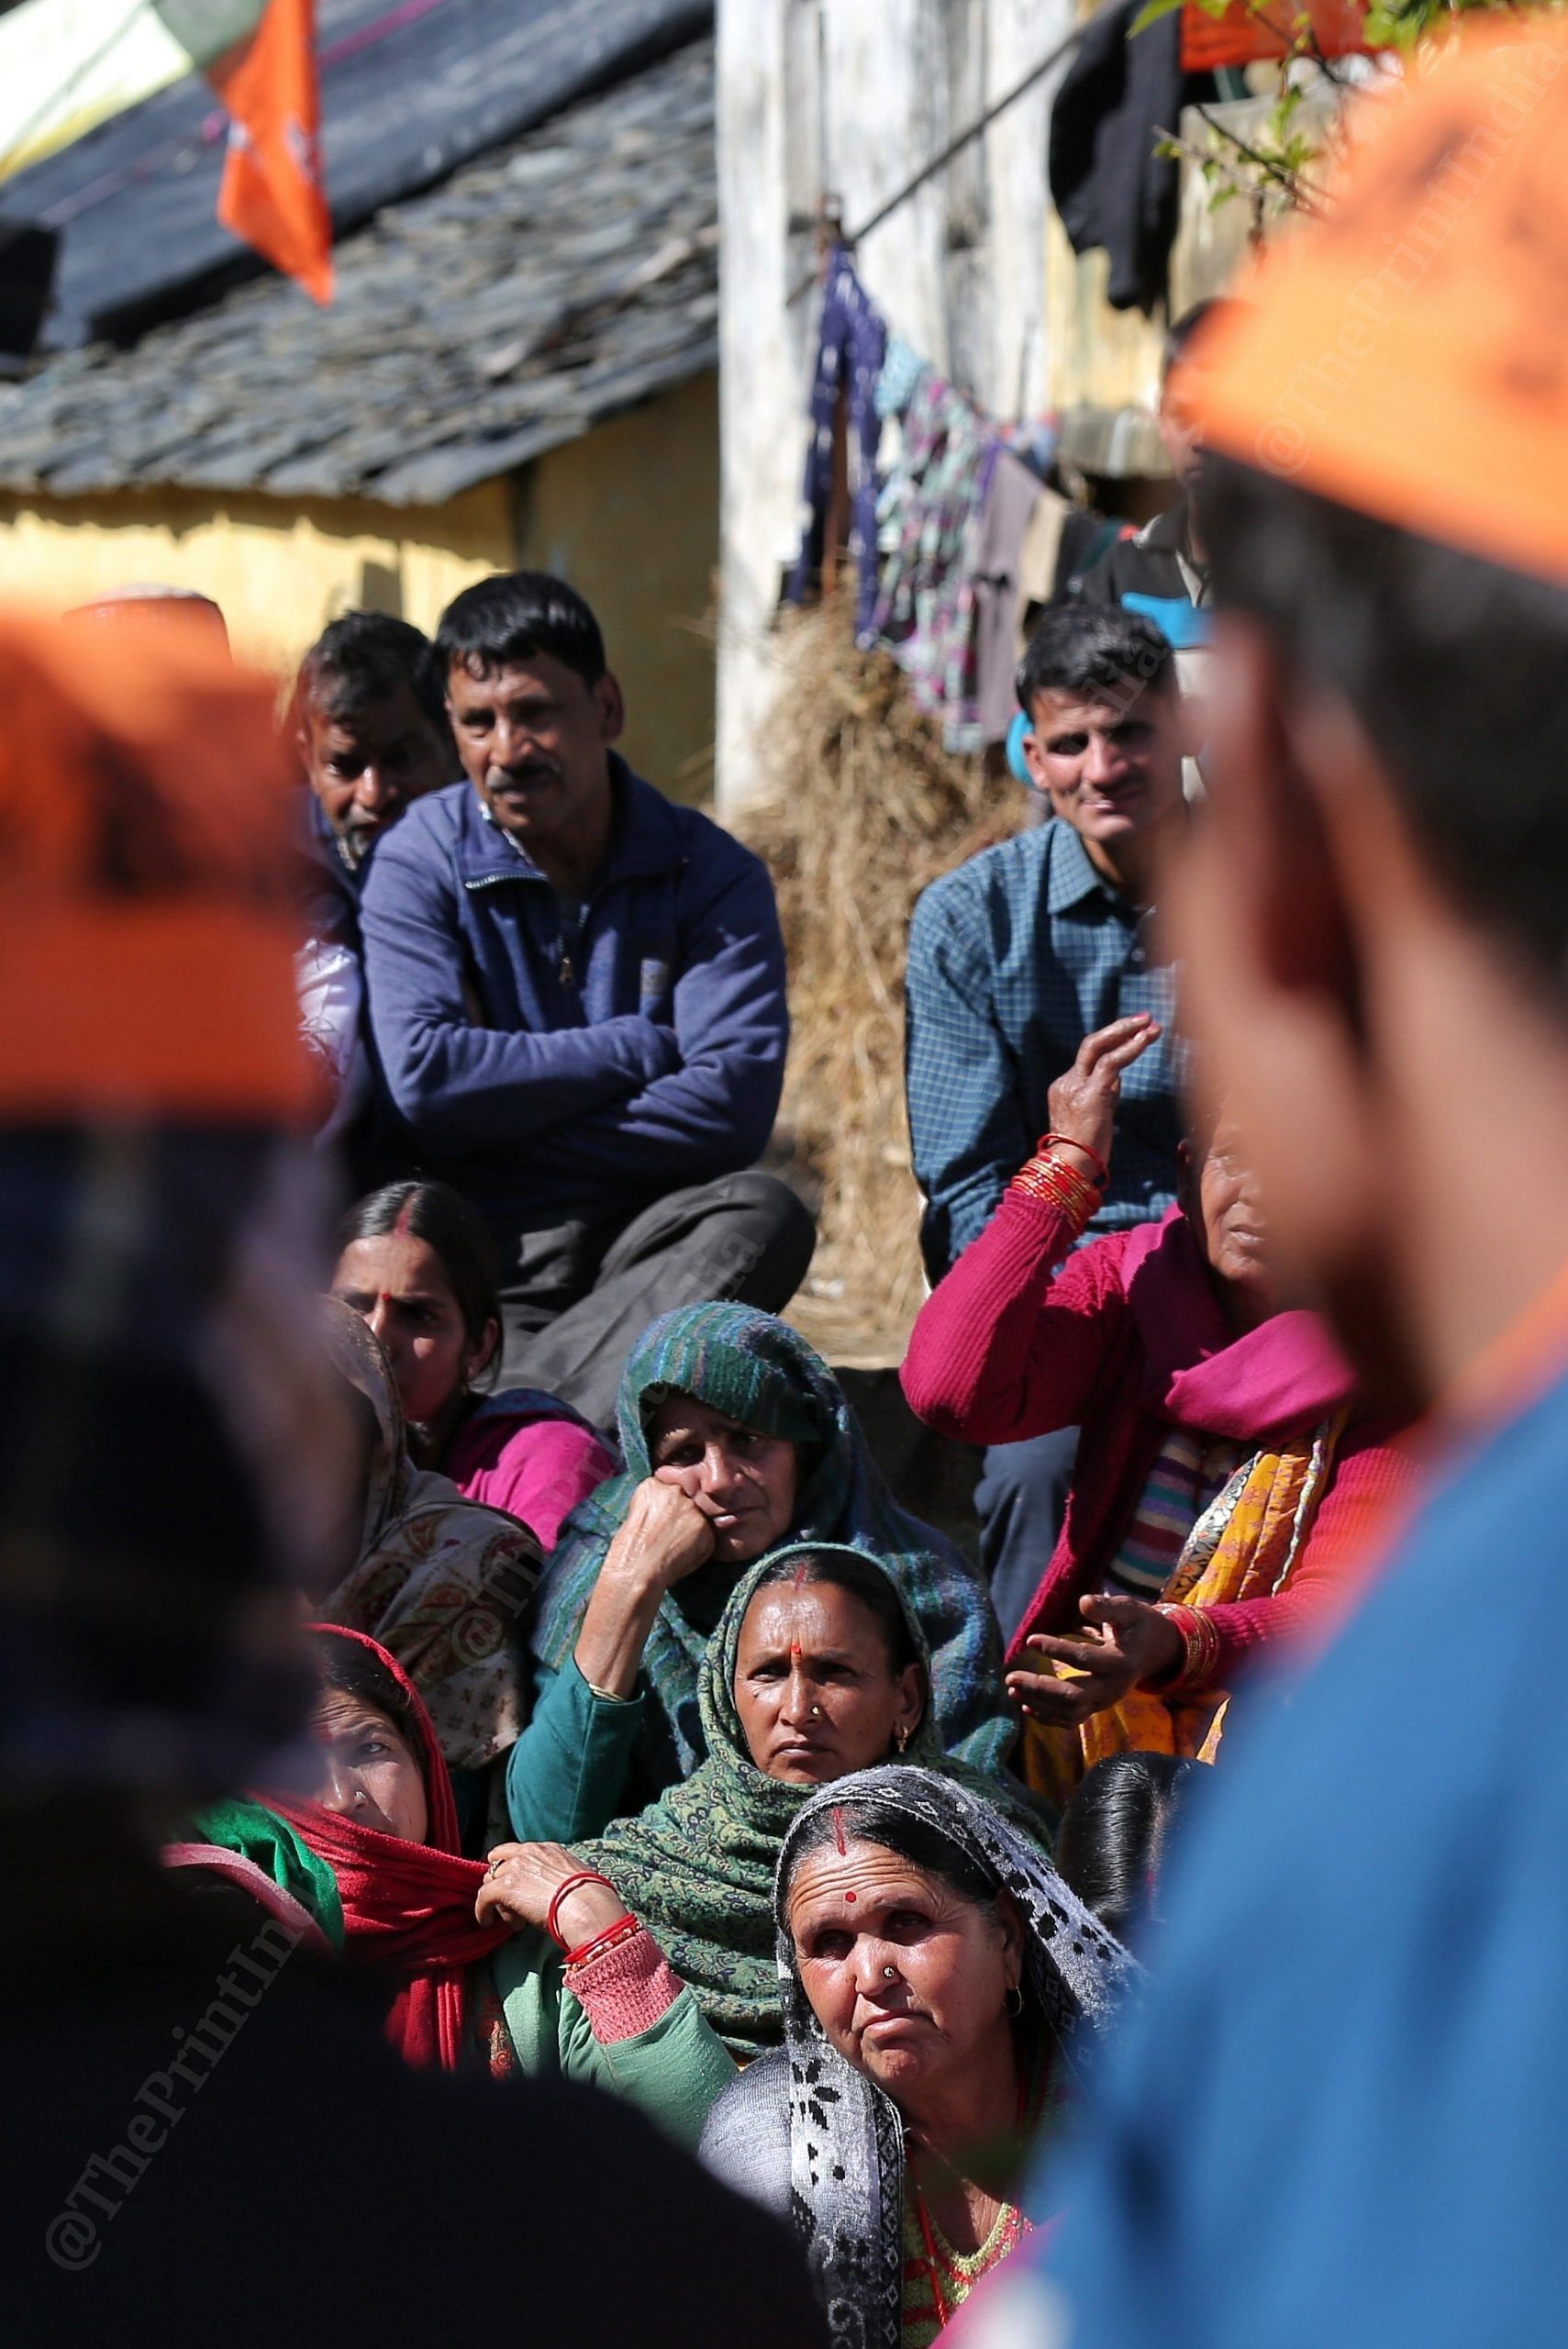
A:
864,806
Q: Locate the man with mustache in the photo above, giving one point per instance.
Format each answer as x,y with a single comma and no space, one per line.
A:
577,995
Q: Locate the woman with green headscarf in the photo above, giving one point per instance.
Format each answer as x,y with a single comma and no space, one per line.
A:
737,1439
818,1669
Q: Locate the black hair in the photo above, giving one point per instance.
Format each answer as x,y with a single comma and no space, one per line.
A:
363,655
865,1580
1453,666
353,1670
514,617
916,1841
1094,648
445,1222
1180,331
1113,1831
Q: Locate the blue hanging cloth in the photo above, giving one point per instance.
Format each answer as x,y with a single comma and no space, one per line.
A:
852,344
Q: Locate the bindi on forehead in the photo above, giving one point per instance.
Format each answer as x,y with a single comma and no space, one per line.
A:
834,1893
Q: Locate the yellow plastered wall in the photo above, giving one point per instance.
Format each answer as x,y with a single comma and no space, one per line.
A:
1099,357
279,570
630,514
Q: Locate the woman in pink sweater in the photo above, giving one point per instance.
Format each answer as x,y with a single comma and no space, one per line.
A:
1227,1481
416,1261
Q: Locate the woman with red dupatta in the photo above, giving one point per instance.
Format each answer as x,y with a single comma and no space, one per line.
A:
385,1823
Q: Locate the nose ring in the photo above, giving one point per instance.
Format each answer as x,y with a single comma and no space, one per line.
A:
814,1714
890,1974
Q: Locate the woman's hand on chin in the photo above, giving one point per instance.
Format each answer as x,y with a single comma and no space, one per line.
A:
523,1881
663,1538
666,1536
1129,1641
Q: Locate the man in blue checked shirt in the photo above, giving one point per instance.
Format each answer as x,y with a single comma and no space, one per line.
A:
1016,957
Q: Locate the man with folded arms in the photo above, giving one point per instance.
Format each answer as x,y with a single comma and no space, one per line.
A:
577,995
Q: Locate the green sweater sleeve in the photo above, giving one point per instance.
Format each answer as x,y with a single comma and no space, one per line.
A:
673,2071
568,1771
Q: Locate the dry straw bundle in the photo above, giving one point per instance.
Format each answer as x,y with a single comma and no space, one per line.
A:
864,806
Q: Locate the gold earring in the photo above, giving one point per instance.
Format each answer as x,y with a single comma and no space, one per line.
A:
901,1737
1016,1993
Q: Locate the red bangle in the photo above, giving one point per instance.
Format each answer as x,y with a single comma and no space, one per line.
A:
584,1876
1053,1183
624,1929
1066,1142
1200,1645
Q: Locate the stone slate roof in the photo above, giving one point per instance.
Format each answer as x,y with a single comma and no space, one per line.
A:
409,95
568,274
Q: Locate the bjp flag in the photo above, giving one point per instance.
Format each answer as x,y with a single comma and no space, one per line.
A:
273,194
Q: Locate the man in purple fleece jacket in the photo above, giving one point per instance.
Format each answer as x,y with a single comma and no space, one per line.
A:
577,995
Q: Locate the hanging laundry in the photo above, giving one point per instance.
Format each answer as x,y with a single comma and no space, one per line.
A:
1012,498
1245,32
1045,561
932,501
1106,180
850,347
902,368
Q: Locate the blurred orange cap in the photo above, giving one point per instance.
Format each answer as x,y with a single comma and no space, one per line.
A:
147,936
172,606
1407,355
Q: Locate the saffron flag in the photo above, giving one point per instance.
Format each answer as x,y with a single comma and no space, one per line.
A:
1249,30
273,193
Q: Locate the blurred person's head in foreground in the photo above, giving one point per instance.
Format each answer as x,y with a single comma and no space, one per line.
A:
371,726
166,1468
151,601
1374,912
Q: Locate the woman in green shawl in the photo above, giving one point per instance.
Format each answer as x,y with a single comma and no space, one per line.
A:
246,1846
737,1439
818,1669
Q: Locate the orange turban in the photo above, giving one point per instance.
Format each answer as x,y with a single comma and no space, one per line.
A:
1407,355
146,930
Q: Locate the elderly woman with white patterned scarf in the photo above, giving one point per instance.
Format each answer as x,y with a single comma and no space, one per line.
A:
933,1965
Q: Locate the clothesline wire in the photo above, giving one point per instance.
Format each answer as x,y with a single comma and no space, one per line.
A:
955,146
